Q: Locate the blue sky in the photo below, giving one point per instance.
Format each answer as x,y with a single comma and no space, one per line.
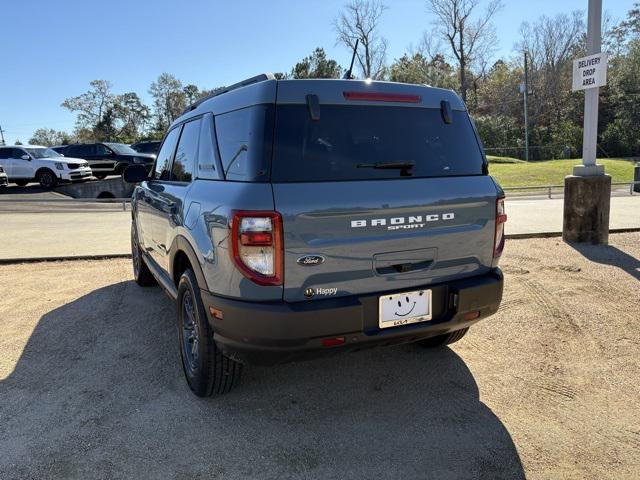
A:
51,50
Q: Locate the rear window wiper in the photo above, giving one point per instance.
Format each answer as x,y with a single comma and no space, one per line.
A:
388,166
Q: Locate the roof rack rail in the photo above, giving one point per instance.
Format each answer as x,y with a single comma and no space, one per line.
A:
249,81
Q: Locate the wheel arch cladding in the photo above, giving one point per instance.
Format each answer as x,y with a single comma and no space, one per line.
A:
182,257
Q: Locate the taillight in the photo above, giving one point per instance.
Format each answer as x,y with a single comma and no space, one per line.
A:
256,245
501,218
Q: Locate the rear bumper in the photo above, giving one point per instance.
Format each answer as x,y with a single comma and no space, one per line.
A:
269,333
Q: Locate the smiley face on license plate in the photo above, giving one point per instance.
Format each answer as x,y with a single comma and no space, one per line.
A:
404,308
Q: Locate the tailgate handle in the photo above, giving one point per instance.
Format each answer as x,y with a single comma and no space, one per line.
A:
404,267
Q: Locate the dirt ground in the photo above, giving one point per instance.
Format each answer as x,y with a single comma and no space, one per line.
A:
91,387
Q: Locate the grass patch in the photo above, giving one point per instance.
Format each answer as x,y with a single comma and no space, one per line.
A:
552,172
494,159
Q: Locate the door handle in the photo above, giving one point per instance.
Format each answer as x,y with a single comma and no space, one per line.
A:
168,207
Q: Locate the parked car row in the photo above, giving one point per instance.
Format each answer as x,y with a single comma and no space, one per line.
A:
107,158
22,164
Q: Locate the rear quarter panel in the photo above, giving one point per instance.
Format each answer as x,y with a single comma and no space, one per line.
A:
210,235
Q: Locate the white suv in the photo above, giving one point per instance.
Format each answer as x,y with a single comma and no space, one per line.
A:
25,163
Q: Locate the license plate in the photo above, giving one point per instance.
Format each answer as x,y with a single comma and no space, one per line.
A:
404,308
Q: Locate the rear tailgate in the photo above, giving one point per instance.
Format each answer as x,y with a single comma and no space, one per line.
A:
377,236
386,182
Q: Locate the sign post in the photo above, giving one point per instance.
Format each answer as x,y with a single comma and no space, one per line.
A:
587,193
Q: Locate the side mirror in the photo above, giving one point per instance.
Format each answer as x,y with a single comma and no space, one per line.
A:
135,174
25,157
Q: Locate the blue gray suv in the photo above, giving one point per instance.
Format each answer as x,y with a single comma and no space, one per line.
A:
294,218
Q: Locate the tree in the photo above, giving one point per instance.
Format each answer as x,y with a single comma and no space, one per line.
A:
191,93
435,72
359,21
130,117
470,36
169,100
317,65
17,142
49,137
92,105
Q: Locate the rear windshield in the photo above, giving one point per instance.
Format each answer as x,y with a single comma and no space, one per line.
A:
372,142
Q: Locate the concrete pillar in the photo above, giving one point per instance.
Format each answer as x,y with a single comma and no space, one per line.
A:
636,178
586,209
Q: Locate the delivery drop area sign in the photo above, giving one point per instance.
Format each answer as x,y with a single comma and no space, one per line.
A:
590,72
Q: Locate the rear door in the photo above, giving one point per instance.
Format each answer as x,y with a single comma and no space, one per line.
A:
169,203
151,203
385,196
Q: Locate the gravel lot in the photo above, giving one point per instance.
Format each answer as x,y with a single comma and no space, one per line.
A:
91,387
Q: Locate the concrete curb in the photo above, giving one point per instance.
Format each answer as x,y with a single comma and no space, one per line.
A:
521,236
13,261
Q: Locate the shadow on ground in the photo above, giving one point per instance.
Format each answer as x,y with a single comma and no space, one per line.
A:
98,393
609,255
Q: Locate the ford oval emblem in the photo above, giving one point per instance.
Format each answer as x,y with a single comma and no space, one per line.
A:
311,260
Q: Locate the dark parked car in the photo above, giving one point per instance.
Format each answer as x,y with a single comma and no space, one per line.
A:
109,158
147,147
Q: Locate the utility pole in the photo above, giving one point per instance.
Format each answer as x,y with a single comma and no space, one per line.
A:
591,95
587,193
526,109
2,136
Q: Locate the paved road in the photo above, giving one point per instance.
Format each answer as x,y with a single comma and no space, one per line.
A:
91,385
528,215
80,229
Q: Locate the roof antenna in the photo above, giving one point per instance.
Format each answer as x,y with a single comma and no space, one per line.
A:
347,75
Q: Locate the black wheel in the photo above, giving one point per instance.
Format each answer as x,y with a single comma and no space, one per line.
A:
46,178
442,340
100,176
141,273
21,183
206,369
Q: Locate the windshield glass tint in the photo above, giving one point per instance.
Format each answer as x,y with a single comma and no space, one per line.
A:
42,152
121,148
354,142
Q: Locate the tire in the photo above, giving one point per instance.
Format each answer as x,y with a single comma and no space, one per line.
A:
46,178
100,176
207,370
141,273
442,340
21,183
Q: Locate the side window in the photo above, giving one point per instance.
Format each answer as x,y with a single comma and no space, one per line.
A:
18,153
208,150
162,167
102,150
4,153
245,142
182,170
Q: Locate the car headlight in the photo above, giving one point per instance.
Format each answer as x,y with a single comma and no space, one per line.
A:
59,166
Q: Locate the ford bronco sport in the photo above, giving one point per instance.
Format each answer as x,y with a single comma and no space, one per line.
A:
294,218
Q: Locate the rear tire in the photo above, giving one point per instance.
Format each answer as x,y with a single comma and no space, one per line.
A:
100,176
46,178
21,183
206,369
141,273
442,340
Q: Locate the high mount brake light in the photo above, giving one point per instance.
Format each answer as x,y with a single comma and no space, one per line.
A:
256,245
501,218
382,97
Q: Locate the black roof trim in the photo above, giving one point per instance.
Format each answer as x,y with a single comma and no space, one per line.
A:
249,81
